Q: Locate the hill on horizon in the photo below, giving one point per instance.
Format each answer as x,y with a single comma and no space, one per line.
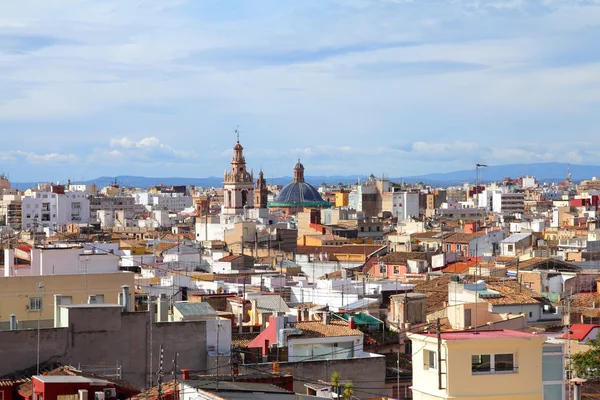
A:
544,172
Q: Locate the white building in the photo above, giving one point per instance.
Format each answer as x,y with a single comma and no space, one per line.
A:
405,205
509,203
54,210
164,201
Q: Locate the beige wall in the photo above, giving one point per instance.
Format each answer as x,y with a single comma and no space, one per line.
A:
458,381
16,291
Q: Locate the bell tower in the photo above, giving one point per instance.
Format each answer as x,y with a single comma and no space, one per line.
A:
238,183
260,192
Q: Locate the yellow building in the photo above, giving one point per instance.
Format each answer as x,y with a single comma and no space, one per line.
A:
500,364
31,296
341,199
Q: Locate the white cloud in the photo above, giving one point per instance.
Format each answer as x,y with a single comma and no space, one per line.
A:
34,158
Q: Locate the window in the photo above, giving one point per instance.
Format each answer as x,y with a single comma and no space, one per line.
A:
492,363
480,363
35,304
396,269
504,362
448,247
430,359
458,247
382,268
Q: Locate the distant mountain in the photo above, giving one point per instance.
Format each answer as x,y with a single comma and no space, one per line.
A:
544,172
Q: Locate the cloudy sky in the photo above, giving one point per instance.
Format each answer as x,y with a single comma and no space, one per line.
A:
93,88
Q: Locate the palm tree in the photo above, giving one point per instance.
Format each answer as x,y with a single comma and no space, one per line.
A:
348,390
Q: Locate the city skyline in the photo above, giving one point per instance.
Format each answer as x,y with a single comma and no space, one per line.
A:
156,88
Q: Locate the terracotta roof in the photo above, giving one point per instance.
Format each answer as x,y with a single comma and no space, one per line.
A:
403,256
580,331
436,291
230,258
27,387
434,235
11,382
462,237
546,263
512,293
243,339
316,329
152,393
460,267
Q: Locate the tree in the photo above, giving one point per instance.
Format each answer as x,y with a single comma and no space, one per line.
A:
348,390
587,364
335,382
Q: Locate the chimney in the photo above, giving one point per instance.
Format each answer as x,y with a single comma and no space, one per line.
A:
351,323
185,374
299,315
57,311
126,301
13,322
162,312
9,261
326,318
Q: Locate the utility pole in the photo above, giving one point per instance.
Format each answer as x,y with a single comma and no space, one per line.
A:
218,328
439,352
175,391
569,341
160,374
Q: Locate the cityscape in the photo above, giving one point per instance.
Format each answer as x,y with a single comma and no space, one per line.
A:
316,199
377,289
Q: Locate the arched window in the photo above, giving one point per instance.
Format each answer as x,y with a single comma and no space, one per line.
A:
244,198
228,198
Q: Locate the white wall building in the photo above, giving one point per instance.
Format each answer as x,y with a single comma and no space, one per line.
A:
405,205
54,210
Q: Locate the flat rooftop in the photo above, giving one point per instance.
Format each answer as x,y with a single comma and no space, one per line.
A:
483,334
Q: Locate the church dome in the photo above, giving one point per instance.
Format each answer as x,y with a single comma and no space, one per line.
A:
238,146
299,193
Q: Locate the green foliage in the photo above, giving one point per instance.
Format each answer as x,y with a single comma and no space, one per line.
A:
587,365
348,390
335,379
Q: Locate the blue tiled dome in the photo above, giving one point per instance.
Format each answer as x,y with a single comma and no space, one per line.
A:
299,193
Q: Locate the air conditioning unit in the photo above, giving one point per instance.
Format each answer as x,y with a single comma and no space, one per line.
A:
99,396
110,393
211,348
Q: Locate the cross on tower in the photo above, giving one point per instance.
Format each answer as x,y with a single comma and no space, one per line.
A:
237,133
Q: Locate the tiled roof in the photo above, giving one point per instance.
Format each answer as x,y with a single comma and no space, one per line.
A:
512,293
460,267
431,235
270,303
403,256
316,329
243,339
546,263
11,382
167,387
436,291
462,237
195,309
230,258
27,387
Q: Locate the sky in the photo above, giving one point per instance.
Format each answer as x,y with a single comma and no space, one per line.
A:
156,88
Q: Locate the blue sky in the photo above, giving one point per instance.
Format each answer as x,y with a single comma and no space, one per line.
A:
156,87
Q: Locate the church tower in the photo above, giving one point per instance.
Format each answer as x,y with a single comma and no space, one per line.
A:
238,184
260,192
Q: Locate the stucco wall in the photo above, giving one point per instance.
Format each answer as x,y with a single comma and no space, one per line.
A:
104,335
367,374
